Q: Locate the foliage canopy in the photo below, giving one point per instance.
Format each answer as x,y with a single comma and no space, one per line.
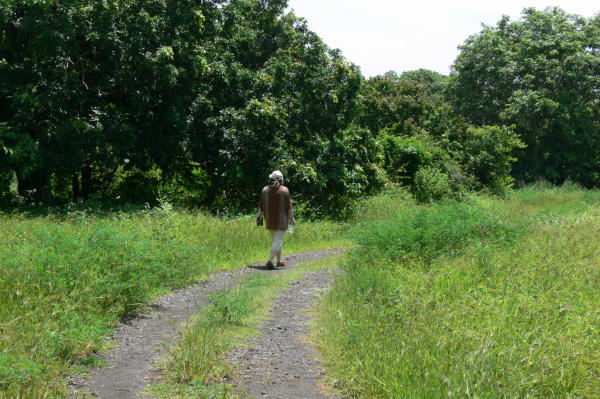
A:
197,101
542,74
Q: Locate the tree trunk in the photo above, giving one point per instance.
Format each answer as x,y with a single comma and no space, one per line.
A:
86,182
75,184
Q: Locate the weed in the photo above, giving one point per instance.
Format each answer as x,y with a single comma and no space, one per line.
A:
487,298
65,281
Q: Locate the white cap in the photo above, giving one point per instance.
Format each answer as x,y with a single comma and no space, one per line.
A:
276,175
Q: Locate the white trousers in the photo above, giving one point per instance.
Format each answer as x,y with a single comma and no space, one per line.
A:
277,236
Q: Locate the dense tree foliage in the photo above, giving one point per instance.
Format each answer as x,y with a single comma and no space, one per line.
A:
196,101
398,105
88,87
290,111
433,81
542,74
426,145
201,98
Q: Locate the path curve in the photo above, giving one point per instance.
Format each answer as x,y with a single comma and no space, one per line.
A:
140,340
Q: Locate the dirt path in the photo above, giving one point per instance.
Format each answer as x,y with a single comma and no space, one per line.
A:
280,363
140,340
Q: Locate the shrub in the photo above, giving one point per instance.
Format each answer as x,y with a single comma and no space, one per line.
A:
487,153
404,156
431,184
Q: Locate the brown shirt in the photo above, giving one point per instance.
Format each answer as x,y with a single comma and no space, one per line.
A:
275,204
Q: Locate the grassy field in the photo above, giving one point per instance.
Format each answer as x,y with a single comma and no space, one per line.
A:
65,281
486,298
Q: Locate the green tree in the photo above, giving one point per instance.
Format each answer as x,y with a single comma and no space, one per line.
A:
203,97
401,106
89,86
416,127
433,81
424,141
541,74
488,155
290,109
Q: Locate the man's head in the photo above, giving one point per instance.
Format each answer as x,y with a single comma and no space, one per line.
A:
276,177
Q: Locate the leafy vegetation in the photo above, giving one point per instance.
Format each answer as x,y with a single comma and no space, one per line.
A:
427,146
66,281
485,298
197,102
539,73
146,103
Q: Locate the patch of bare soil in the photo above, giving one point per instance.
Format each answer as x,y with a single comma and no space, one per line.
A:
281,363
140,341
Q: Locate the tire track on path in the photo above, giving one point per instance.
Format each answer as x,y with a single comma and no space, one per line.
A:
280,363
140,340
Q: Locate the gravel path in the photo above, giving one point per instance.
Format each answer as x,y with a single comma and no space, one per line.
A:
280,363
140,340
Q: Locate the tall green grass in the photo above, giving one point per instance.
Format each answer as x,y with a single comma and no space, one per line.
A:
66,281
487,298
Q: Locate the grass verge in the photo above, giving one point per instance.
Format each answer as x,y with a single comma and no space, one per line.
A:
488,298
66,281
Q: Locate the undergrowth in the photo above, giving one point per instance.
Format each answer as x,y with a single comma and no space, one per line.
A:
65,281
485,298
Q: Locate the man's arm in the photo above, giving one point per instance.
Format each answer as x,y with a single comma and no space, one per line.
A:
260,206
290,210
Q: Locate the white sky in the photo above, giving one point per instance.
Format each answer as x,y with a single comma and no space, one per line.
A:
397,35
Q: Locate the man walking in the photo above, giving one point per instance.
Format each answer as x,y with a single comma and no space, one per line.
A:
276,205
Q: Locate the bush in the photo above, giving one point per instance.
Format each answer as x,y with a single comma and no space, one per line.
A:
427,232
420,161
137,186
6,180
404,156
487,155
431,184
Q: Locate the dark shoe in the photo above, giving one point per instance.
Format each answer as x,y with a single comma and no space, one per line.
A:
280,263
270,265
